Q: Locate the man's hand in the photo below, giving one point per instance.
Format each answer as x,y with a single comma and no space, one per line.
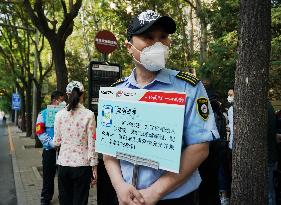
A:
278,138
150,197
129,195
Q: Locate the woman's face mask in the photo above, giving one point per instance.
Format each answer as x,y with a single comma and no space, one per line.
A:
154,57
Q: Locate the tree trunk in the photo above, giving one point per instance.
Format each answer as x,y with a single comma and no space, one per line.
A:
13,116
39,98
184,35
29,109
203,42
203,32
38,143
60,66
23,116
249,184
191,33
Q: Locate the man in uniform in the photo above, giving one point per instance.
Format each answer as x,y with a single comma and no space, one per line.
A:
46,135
148,43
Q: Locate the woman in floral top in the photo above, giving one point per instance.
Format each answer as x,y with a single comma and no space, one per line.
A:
74,129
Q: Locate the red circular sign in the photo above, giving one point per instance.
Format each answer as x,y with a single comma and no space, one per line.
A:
105,41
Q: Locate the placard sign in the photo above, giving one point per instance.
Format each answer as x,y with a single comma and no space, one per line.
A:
141,123
51,113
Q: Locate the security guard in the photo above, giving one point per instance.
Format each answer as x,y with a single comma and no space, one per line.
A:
148,43
46,135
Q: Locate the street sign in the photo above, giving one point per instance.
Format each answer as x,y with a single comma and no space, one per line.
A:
105,42
16,101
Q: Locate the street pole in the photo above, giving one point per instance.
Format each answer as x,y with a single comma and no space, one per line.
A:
34,107
16,112
104,57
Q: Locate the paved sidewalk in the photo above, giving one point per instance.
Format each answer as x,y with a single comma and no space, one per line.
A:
27,167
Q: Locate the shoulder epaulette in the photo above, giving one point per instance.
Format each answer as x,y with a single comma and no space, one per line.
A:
188,77
121,80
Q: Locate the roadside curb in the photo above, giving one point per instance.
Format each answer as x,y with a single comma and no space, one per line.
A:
21,200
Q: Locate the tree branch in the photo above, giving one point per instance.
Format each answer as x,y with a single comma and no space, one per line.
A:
67,25
21,47
10,48
42,45
5,55
48,69
38,20
191,4
70,4
35,81
64,7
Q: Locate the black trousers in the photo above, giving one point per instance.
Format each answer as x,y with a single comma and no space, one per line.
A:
189,199
49,172
74,185
106,194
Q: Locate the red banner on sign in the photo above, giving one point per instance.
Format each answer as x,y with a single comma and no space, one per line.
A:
167,98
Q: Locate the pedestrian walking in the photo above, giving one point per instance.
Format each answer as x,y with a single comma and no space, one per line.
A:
45,135
148,43
75,128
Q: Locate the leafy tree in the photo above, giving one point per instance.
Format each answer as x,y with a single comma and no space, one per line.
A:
221,64
6,84
46,23
224,17
17,51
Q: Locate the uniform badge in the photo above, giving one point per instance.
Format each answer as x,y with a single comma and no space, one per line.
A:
202,107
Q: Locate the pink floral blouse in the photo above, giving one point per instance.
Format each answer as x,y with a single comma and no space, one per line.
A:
74,133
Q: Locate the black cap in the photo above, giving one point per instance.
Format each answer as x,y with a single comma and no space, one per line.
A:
142,22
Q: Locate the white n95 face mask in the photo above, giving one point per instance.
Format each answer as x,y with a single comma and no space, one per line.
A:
230,99
63,103
154,57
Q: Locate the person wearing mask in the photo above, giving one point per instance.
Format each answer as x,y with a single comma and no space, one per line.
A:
45,135
272,153
148,43
230,100
75,129
210,169
225,170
